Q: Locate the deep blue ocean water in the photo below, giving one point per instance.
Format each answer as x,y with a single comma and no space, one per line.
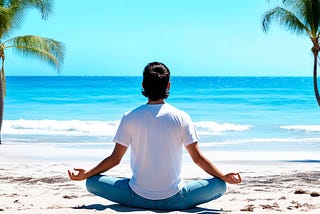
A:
230,113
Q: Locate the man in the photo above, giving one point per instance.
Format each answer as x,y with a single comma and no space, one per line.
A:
156,133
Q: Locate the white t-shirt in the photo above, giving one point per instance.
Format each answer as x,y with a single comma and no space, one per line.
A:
156,134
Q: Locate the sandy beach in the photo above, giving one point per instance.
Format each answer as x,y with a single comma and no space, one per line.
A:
31,185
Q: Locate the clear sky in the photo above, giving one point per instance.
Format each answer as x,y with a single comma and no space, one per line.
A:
192,37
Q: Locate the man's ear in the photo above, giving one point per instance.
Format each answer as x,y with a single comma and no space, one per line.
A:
168,86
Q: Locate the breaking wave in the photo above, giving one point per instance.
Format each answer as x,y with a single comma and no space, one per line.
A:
303,128
99,128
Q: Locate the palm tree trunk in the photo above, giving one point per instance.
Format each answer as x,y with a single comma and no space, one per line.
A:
1,107
1,94
315,77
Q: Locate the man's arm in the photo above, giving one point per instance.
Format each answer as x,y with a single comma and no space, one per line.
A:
210,168
108,163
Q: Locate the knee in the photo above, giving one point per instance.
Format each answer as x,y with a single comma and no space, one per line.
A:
91,184
221,187
218,186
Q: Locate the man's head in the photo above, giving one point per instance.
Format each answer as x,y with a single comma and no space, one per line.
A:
155,83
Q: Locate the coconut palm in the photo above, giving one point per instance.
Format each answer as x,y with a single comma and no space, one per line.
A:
48,50
300,17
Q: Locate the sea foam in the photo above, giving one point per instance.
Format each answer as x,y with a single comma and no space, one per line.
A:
58,127
212,128
99,128
304,128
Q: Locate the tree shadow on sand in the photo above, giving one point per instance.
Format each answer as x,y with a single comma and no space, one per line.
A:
120,208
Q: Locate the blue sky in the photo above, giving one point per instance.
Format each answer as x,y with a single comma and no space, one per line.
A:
193,38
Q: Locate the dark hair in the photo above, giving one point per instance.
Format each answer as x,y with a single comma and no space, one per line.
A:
155,81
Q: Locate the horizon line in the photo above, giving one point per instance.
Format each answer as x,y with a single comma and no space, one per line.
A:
170,75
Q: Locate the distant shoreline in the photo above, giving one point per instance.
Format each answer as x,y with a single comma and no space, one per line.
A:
92,151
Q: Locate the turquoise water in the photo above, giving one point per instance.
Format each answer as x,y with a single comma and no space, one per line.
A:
230,113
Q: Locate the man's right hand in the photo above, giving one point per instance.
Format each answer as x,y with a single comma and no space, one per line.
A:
233,178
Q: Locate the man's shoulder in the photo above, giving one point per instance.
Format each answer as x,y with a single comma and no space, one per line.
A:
135,110
176,111
175,108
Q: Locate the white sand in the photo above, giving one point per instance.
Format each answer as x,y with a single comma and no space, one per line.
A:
42,186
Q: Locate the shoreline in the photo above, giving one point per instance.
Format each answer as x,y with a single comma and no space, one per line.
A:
97,151
31,185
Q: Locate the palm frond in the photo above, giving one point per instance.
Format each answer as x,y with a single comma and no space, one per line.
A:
315,7
308,11
45,7
3,3
16,11
285,18
5,20
45,49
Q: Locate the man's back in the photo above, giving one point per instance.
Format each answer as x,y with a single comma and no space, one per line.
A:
156,134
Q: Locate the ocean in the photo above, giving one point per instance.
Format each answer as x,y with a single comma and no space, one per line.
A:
255,116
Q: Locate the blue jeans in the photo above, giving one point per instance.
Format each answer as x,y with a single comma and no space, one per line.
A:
192,194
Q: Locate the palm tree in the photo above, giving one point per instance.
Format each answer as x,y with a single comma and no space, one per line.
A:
300,17
11,16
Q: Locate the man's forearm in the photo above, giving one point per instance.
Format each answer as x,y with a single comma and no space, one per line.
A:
210,168
103,166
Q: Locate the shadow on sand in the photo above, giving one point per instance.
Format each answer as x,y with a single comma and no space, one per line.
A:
120,208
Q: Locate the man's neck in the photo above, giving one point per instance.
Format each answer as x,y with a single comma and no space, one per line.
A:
161,101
